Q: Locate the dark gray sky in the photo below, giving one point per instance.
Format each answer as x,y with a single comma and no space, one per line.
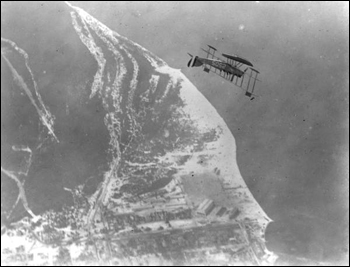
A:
292,141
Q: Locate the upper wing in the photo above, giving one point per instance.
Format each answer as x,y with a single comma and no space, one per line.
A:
238,59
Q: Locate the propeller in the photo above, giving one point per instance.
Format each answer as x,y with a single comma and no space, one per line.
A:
189,62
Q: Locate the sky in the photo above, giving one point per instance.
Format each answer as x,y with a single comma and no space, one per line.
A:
292,141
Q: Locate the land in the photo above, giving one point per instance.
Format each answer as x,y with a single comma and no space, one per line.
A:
166,227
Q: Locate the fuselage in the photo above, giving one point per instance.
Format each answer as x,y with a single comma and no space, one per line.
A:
220,65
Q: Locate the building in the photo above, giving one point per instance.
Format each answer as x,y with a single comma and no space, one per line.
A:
171,186
221,211
234,213
205,207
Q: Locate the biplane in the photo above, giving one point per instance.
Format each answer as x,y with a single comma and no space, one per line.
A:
229,69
